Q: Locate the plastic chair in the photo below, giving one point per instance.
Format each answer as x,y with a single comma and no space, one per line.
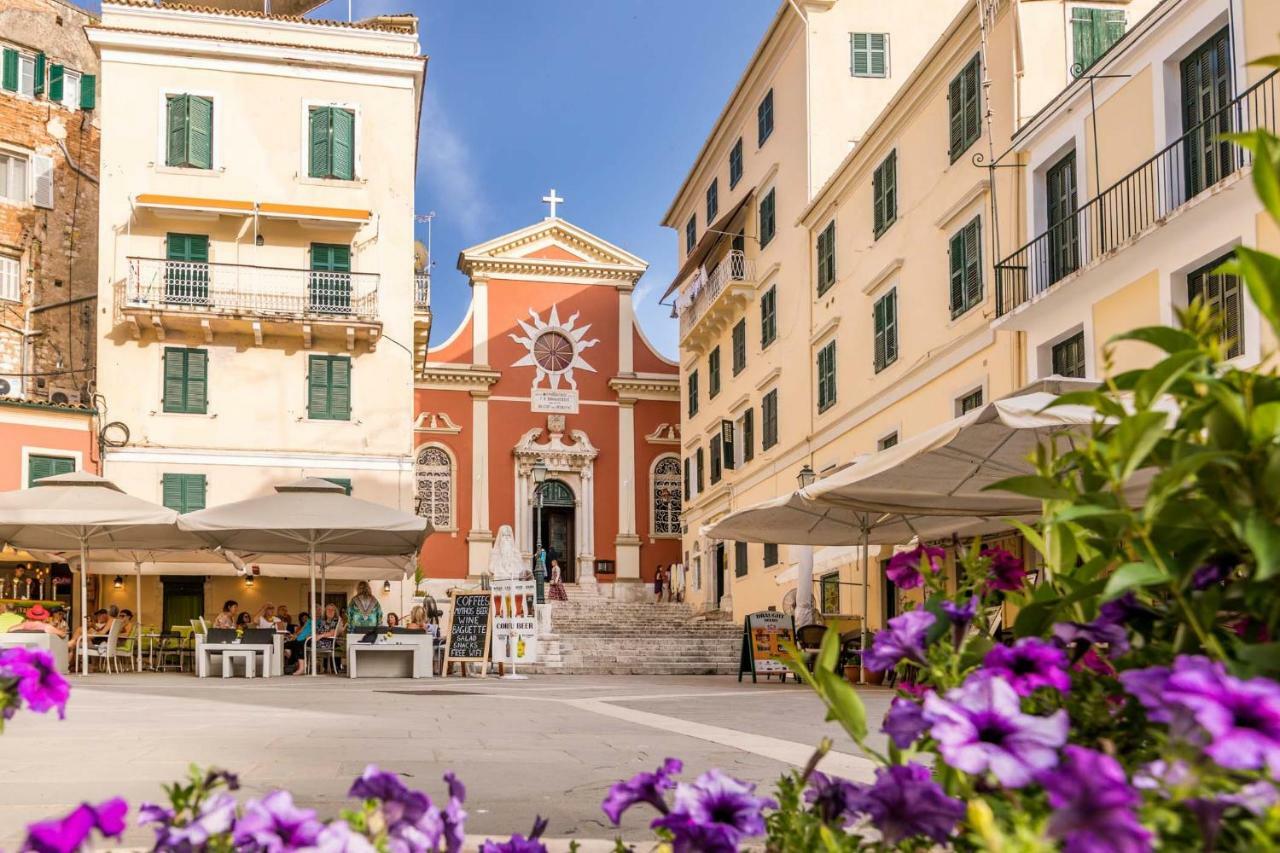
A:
809,641
106,652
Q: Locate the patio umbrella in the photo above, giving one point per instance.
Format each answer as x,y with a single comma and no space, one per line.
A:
310,516
85,512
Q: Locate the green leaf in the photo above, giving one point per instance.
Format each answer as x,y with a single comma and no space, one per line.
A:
1156,380
1265,423
1262,275
1262,536
844,706
1130,576
1095,400
1076,512
1134,439
1031,535
1167,338
829,652
1033,486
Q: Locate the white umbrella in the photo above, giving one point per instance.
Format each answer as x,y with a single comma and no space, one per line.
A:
85,512
311,516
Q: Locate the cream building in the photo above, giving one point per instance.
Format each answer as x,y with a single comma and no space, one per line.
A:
256,278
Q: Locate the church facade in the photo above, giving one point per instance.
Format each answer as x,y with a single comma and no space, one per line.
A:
550,366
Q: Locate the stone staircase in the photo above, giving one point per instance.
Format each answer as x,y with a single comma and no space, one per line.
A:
592,634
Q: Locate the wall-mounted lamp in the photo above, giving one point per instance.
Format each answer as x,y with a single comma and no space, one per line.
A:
258,241
248,581
806,477
118,583
386,587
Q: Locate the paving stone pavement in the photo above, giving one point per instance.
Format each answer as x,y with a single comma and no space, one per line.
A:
551,745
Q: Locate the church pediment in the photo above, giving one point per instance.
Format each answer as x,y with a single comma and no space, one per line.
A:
553,249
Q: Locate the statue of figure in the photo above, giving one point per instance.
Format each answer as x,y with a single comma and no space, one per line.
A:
504,559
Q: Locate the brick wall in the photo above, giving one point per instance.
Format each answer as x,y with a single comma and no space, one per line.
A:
58,247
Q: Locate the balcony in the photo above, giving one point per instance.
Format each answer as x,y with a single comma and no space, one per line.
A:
421,293
1192,165
421,320
710,301
239,299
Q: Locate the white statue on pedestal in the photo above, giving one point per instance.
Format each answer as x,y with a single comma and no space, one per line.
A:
505,561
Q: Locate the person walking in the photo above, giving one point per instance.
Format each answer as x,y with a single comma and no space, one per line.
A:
557,591
658,578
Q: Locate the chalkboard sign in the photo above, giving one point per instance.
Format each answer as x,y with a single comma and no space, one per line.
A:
470,627
763,634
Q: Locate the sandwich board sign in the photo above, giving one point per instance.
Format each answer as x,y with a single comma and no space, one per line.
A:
763,634
515,623
470,629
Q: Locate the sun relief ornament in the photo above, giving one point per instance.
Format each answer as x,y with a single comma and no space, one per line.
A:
554,348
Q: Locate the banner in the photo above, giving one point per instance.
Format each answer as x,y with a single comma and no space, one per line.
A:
762,636
515,623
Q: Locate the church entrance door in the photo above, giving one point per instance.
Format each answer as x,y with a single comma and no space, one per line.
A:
557,534
721,587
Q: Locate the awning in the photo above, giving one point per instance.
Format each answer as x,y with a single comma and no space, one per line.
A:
710,238
231,207
312,212
239,207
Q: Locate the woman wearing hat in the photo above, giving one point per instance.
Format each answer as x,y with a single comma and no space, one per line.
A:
37,622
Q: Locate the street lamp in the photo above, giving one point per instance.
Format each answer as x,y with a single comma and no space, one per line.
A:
804,572
806,476
539,559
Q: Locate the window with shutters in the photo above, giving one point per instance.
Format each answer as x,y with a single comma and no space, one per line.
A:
433,487
764,119
183,493
699,465
329,388
968,402
1067,356
329,283
1206,120
14,180
770,554
665,489
69,86
869,54
735,163
691,234
1093,31
827,377
186,269
189,131
186,381
740,565
688,482
768,218
22,72
769,316
331,143
739,346
713,373
769,419
1064,236
713,200
964,106
890,440
10,278
27,75
748,435
1222,293
966,268
40,466
885,320
716,450
885,194
827,257
693,393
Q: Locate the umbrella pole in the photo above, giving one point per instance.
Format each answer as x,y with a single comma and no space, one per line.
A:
137,615
84,607
315,617
866,598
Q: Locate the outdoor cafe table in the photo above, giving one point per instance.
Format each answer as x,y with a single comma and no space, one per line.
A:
272,654
385,656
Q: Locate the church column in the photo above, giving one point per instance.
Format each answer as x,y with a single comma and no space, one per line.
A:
628,544
587,560
626,322
480,320
480,537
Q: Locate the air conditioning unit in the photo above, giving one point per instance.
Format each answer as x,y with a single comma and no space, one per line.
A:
10,385
64,395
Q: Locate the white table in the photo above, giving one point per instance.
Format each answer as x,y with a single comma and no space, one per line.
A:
247,656
384,657
54,645
271,655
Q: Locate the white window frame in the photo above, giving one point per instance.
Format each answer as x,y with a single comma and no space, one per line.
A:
25,156
852,49
162,132
69,100
26,71
11,271
304,143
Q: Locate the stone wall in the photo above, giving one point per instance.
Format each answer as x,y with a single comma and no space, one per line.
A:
58,247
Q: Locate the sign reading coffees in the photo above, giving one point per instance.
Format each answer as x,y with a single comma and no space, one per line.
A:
470,628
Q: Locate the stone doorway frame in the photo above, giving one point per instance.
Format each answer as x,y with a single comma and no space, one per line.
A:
574,464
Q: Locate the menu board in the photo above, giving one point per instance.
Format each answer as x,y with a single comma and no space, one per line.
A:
515,623
763,634
470,626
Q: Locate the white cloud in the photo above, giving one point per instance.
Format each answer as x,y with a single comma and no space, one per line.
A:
446,165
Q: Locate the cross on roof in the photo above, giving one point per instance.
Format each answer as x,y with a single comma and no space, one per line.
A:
552,199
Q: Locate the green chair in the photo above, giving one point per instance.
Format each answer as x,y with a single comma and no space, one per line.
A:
9,620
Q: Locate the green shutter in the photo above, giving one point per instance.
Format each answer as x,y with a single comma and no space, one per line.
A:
39,467
861,60
39,74
972,104
197,381
956,252
955,105
877,59
88,91
176,122
9,77
55,82
973,265
183,492
340,388
345,482
748,435
318,387
1082,38
319,139
171,491
175,380
343,144
186,380
199,132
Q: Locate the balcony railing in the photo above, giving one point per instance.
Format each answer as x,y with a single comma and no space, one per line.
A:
190,287
421,292
1192,164
706,288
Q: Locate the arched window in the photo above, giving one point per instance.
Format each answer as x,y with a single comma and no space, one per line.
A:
434,488
556,493
666,497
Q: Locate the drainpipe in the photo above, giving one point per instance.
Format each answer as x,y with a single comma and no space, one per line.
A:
808,109
28,332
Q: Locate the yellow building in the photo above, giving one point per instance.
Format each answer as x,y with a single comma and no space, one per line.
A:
256,278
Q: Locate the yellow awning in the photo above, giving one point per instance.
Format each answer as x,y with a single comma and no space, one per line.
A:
203,205
306,211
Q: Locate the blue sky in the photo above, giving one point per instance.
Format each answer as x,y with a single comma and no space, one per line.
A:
606,100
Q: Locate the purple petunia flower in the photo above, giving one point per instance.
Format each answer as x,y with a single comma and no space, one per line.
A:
1240,716
518,843
1118,610
1100,632
453,817
1005,572
905,802
216,816
1028,665
40,685
67,834
904,567
274,824
1213,571
338,837
980,726
714,813
642,788
833,799
903,640
960,614
1093,805
904,722
1163,776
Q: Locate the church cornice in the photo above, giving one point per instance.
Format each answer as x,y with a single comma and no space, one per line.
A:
641,387
545,269
459,377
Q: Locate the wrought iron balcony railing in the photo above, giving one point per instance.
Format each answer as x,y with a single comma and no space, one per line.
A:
160,285
421,292
1192,164
706,288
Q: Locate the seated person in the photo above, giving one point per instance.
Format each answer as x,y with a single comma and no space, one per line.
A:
126,626
283,620
244,620
417,618
295,648
393,621
37,622
227,618
266,617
